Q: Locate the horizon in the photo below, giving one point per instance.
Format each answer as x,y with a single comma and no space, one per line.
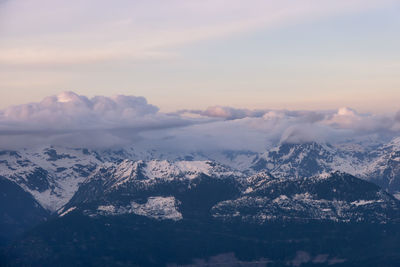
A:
265,107
70,119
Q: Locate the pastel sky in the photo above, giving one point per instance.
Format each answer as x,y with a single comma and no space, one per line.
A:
185,54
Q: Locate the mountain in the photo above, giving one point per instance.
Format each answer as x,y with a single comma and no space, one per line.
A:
142,187
338,197
19,211
385,168
309,159
124,215
176,191
51,176
380,165
229,201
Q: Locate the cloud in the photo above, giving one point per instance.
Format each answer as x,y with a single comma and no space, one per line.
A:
130,30
223,112
346,118
71,111
73,120
301,134
76,120
238,129
265,128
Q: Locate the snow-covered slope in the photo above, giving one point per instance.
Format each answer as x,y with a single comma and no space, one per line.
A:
380,165
384,170
336,197
136,177
52,175
260,198
165,170
159,208
309,159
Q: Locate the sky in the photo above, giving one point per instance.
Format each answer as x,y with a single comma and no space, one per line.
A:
254,54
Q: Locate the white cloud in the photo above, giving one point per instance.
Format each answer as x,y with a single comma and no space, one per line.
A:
76,120
73,120
346,118
70,111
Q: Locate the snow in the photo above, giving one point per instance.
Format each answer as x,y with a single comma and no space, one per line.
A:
106,208
150,172
236,160
324,175
395,143
156,169
365,202
304,196
47,199
248,190
164,169
160,208
67,211
64,172
262,209
64,167
280,198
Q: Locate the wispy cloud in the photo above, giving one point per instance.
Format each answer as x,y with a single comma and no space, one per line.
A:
80,32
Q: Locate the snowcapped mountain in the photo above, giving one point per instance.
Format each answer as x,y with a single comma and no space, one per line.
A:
152,170
53,176
120,187
385,168
162,190
338,197
141,201
380,165
308,159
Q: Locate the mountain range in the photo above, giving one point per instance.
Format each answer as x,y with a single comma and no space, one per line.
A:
314,184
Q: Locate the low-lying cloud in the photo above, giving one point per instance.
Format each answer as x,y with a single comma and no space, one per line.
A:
72,120
71,111
224,112
75,120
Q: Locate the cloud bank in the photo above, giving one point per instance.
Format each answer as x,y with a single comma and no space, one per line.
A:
73,120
